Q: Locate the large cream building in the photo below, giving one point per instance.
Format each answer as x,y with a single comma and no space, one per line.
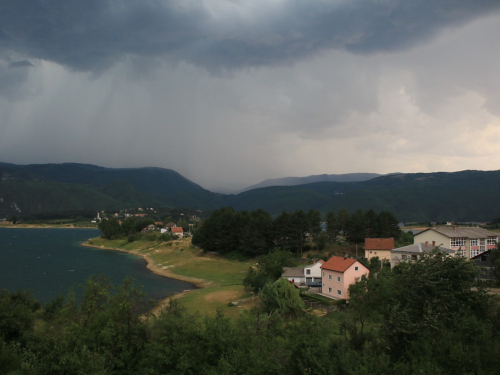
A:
467,241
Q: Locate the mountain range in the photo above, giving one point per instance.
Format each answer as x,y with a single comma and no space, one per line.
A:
441,196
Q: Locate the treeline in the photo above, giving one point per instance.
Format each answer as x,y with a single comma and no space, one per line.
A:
421,317
253,233
131,228
73,214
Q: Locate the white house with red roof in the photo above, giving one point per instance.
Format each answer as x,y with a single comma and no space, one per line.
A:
178,231
338,273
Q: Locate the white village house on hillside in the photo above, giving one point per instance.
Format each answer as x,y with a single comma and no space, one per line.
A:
304,276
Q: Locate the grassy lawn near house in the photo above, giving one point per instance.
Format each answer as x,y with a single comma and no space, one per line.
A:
221,280
208,300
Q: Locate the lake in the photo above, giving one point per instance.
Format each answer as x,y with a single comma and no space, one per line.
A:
49,262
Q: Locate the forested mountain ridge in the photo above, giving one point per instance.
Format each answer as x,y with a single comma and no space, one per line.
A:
35,188
460,196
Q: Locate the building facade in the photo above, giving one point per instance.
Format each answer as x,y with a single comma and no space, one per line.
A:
412,252
379,247
338,273
467,241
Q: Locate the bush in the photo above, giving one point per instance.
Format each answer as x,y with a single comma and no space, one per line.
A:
282,297
150,237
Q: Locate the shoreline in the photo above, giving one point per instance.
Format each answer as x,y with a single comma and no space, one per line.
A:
150,265
198,283
42,226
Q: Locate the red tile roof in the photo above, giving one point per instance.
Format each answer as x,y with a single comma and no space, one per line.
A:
379,243
338,264
177,230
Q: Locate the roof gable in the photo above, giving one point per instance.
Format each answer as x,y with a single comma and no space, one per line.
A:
339,264
379,243
462,232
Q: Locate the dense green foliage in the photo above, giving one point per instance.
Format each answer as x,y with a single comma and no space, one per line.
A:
268,269
282,297
422,317
255,233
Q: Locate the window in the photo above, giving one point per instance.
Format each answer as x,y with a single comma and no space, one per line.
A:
491,240
308,272
329,290
329,277
404,257
473,252
356,268
323,274
474,242
456,242
413,257
338,279
339,292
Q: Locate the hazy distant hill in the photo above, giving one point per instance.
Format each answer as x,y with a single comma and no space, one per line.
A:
292,181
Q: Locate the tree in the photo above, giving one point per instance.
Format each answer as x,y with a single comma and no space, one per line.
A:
433,294
268,269
282,297
389,225
314,225
343,221
110,228
357,227
256,233
332,227
495,260
220,232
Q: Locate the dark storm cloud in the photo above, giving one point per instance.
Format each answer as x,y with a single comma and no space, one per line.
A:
93,35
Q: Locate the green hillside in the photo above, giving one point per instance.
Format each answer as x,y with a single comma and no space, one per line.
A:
458,196
31,189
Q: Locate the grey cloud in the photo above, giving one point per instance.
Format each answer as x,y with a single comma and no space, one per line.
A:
95,34
20,64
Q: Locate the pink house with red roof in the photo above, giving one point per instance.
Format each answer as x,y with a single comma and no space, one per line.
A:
338,273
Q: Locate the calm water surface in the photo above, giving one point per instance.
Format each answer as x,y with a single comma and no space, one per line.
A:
50,261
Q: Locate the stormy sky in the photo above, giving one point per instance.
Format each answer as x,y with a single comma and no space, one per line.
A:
231,92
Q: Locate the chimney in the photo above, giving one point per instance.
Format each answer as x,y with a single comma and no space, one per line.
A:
433,243
345,255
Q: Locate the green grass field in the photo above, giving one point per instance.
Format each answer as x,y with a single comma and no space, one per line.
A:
220,280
